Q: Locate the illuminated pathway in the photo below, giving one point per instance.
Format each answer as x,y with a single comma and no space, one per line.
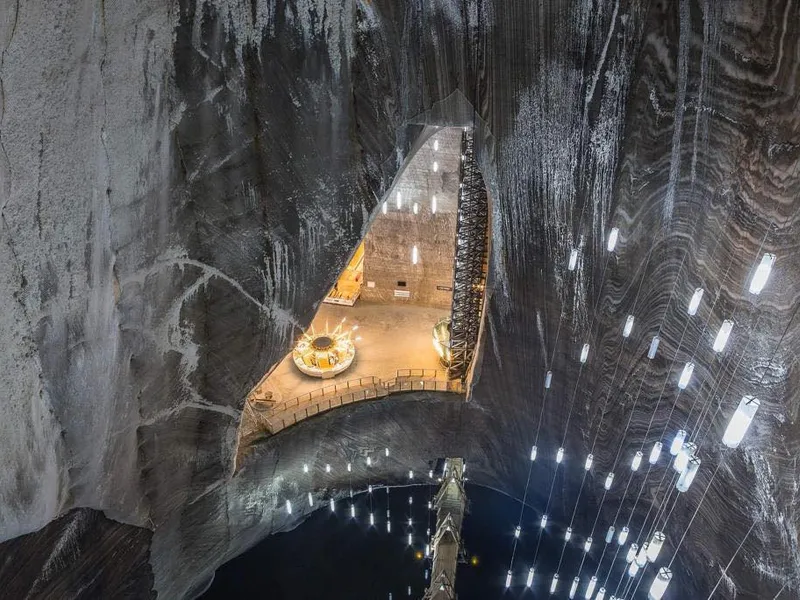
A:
450,503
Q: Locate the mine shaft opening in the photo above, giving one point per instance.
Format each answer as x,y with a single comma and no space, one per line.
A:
405,312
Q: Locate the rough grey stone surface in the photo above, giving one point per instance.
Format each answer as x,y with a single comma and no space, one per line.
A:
181,183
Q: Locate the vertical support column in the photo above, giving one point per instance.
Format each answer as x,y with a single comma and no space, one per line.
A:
471,261
451,502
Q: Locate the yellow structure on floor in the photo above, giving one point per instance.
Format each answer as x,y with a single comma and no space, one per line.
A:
347,288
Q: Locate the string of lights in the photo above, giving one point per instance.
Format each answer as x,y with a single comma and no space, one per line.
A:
659,515
588,463
616,459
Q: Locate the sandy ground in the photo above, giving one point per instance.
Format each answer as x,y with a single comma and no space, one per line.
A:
392,337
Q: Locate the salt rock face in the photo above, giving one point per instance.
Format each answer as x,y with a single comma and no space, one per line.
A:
182,183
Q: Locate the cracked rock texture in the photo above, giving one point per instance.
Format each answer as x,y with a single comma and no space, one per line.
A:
180,183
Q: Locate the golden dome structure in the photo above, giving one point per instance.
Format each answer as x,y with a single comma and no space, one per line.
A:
441,340
325,354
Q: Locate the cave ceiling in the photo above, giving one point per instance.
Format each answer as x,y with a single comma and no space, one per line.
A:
183,181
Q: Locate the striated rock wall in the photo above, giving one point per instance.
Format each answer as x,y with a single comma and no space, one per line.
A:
181,183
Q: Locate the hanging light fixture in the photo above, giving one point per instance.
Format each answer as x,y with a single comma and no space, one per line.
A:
762,274
609,481
333,505
626,331
435,145
677,442
386,450
688,475
584,353
435,166
529,581
686,375
433,204
410,541
568,534
682,459
590,587
548,379
634,548
588,464
349,467
371,520
305,468
610,534
694,303
543,522
352,511
533,452
517,531
633,569
722,335
641,556
623,536
654,548
310,499
327,468
740,421
651,353
288,507
411,474
637,460
415,208
601,594
587,545
612,239
560,455
655,453
508,579
660,584
388,527
573,259
369,461
554,584
574,587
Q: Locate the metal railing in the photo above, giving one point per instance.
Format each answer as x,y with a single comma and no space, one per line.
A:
423,373
334,389
408,380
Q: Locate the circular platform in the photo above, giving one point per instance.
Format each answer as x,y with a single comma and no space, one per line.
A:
324,355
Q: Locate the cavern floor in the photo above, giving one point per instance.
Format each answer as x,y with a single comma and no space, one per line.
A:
392,337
